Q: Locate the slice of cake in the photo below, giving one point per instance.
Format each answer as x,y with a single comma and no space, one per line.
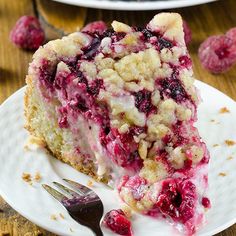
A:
121,106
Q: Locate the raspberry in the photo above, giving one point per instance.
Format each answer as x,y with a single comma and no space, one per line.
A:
172,87
177,199
218,53
232,34
95,27
143,101
27,33
137,186
206,202
187,33
91,50
118,223
164,43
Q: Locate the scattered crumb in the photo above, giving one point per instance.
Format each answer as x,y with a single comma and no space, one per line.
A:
224,110
222,174
127,210
62,216
34,142
37,177
53,217
26,147
26,177
212,120
71,230
215,145
229,158
230,142
90,183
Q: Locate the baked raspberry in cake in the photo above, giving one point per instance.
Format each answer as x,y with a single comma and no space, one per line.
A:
120,105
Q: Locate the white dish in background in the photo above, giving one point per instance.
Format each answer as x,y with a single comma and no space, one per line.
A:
134,5
37,205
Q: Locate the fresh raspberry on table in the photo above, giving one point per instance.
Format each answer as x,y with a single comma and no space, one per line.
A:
95,27
187,33
232,34
218,53
27,33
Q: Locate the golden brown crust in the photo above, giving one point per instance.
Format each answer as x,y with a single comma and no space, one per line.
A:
29,111
27,96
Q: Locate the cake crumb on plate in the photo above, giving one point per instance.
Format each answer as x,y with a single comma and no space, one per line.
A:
37,177
26,177
222,174
90,183
229,142
53,217
62,216
224,110
216,145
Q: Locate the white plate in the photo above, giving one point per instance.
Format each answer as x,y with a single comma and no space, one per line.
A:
37,205
135,5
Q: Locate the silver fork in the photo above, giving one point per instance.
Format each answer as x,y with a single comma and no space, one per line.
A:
84,206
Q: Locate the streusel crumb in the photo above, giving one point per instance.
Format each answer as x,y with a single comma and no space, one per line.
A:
224,110
229,142
216,145
53,217
26,177
222,174
62,216
90,183
37,177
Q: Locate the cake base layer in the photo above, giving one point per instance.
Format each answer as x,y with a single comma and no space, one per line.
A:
38,126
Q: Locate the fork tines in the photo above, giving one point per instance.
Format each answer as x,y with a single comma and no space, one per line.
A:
57,195
81,188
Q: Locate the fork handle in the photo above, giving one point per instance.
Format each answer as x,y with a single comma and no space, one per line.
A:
97,230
